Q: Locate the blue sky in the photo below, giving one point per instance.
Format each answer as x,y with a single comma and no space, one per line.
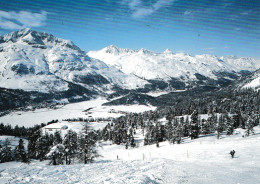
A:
219,27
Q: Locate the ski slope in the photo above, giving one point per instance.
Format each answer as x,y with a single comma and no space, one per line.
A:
204,160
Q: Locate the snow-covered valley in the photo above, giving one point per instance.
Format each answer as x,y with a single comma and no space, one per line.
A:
73,110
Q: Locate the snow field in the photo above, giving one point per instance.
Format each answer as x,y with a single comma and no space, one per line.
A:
74,110
204,160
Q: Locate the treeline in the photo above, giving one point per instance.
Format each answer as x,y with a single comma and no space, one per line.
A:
21,131
227,109
59,150
227,100
175,128
89,119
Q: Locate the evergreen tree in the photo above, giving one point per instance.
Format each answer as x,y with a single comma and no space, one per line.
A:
87,145
205,127
149,135
19,152
185,126
249,125
57,139
56,154
43,145
32,139
178,133
194,126
169,131
229,125
6,152
220,125
70,144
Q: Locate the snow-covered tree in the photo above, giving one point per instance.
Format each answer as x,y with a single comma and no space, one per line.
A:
205,127
43,145
229,125
249,125
57,139
220,127
56,154
169,131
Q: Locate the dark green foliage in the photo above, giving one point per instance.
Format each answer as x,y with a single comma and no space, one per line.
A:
6,152
194,125
70,144
87,145
57,139
32,142
19,152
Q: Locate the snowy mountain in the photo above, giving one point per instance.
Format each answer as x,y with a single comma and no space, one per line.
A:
36,61
176,67
250,81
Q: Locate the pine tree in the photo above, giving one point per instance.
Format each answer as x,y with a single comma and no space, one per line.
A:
185,126
6,152
194,126
43,145
70,144
249,125
205,127
149,135
178,133
32,139
158,133
87,145
169,131
57,139
56,154
19,152
229,126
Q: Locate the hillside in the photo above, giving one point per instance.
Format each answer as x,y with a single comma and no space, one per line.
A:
205,160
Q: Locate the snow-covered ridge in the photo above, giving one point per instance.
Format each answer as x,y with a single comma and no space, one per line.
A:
254,81
151,65
32,60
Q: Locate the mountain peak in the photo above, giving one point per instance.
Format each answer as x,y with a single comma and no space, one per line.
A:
24,31
144,51
167,51
111,49
37,39
114,50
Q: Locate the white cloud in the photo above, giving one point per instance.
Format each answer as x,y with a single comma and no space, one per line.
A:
162,3
187,13
140,11
21,19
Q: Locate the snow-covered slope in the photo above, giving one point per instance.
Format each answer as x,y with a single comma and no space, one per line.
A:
31,60
167,65
252,81
200,161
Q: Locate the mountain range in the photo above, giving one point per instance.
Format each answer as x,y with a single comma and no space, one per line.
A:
38,67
